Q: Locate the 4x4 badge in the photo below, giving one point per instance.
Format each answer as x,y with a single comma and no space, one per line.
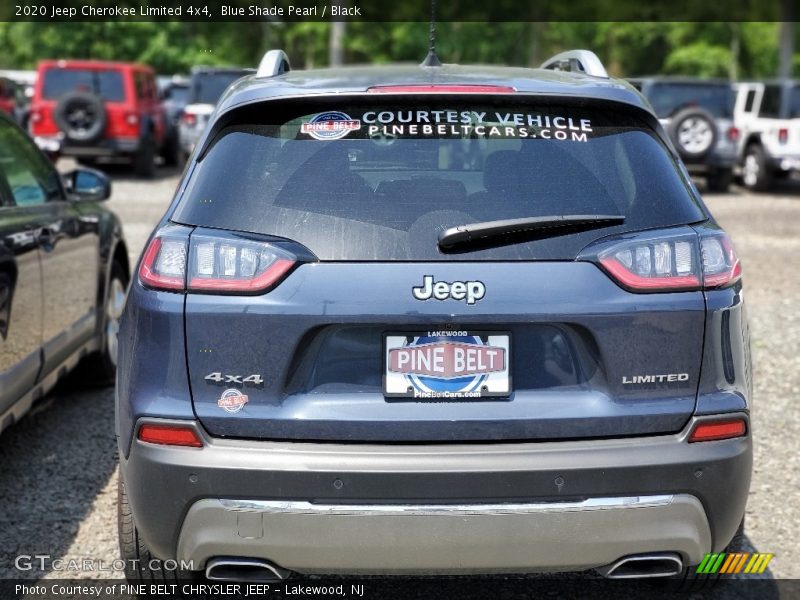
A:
471,291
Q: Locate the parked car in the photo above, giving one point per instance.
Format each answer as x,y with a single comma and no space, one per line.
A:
433,320
18,91
175,97
98,110
63,273
206,85
698,117
769,113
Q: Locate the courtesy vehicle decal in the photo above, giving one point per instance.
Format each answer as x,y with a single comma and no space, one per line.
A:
494,124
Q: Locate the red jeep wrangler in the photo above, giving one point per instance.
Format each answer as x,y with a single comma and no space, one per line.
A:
93,109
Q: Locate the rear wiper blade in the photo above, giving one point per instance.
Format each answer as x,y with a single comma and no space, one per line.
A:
482,234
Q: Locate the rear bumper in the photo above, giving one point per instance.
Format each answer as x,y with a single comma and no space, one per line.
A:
450,538
716,161
785,163
105,147
317,507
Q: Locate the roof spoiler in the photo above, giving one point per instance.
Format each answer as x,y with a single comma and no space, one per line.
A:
275,62
577,61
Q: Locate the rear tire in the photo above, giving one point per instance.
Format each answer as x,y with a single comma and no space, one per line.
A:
756,174
694,133
719,180
170,152
144,161
102,365
140,564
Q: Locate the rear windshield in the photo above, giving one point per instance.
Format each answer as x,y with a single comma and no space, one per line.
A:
369,183
179,95
208,87
669,98
105,83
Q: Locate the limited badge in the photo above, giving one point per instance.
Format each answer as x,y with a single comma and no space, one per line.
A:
331,125
232,400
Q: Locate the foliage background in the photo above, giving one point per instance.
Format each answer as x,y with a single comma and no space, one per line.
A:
710,49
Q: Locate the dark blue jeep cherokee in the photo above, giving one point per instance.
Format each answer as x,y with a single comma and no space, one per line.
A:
433,320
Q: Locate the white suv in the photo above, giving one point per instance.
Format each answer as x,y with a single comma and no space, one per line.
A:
768,114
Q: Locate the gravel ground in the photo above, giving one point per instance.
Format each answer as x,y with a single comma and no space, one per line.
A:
58,475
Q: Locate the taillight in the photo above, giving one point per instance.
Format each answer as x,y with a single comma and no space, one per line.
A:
666,263
220,263
170,435
734,134
163,265
724,429
783,135
721,266
235,265
189,119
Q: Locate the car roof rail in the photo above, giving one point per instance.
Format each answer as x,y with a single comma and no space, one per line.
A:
275,62
577,61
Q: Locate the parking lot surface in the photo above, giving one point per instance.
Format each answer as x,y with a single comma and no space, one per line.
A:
58,472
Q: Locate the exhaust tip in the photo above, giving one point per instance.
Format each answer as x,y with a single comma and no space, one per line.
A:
638,566
253,570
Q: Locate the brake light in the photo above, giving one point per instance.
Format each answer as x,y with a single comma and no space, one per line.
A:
189,119
164,264
213,263
170,435
783,135
672,263
734,134
718,430
441,89
721,266
235,265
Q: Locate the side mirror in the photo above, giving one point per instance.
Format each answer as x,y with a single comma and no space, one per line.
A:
88,185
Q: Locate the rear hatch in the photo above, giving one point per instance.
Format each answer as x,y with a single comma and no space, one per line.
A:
384,324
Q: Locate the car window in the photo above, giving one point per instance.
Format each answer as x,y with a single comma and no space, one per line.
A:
771,102
179,94
145,86
208,87
748,101
380,183
668,98
28,175
108,84
794,102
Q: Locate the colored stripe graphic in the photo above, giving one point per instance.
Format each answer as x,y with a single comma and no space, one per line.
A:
730,563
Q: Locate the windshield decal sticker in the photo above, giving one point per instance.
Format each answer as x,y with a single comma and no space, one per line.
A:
331,125
481,124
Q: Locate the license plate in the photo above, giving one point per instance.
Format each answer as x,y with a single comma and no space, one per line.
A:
451,365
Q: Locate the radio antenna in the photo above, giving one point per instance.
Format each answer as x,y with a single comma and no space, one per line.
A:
431,60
